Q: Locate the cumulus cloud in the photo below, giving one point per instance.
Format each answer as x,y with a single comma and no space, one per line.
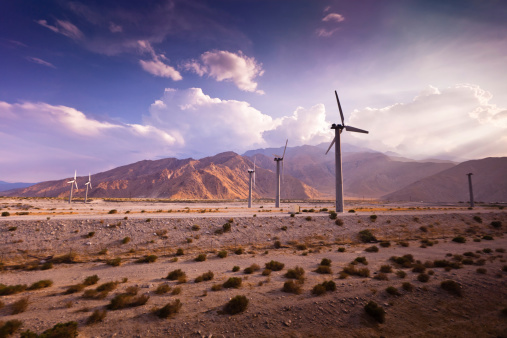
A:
226,66
48,142
40,62
455,122
63,27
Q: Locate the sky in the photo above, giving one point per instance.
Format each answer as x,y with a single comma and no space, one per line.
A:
92,85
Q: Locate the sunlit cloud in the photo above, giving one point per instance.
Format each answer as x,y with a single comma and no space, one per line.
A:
333,17
40,62
156,66
63,27
226,66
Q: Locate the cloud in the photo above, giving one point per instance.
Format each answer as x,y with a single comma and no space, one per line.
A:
455,122
63,27
158,68
226,66
333,17
49,142
325,32
40,62
114,28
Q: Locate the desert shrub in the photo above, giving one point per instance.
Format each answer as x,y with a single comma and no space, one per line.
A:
91,280
333,215
147,259
386,268
385,244
176,291
274,266
216,287
482,271
423,278
381,276
109,286
401,274
392,291
113,211
366,236
124,300
481,261
373,218
353,271
308,218
60,330
296,273
9,327
222,253
5,214
459,239
125,240
291,287
232,282
74,288
195,227
277,244
169,309
175,274
67,258
239,251
20,305
179,252
407,286
251,269
361,260
45,283
372,248
502,250
205,277
339,222
318,290
266,272
405,260
114,261
96,317
325,261
375,311
487,250
301,247
403,244
236,305
341,249
46,266
329,285
418,268
487,237
496,224
423,228
200,258
148,220
467,261
451,287
284,228
323,269
477,219
12,228
235,268
162,289
351,211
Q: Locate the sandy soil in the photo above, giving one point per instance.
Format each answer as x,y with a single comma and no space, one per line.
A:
27,240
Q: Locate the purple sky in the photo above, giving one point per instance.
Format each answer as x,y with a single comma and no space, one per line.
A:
96,84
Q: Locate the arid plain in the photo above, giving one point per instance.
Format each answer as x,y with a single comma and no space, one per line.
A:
132,246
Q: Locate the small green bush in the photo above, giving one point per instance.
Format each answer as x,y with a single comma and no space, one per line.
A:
239,251
274,266
372,248
176,274
147,259
333,215
266,272
91,280
226,227
375,311
96,317
401,274
459,239
407,286
114,261
292,287
366,236
169,309
308,218
236,305
361,260
195,227
222,253
318,290
9,327
179,252
423,278
385,244
392,291
301,247
487,237
341,249
45,283
5,214
386,268
251,269
162,289
277,244
296,273
113,211
477,219
235,268
200,258
232,282
339,222
323,269
20,305
205,277
109,286
125,240
373,218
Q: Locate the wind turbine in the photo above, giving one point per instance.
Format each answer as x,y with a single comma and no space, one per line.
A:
72,183
338,154
471,191
279,159
251,173
89,183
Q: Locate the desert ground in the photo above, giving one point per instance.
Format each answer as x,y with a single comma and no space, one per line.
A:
136,244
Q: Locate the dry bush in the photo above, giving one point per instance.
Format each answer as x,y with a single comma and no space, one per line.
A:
232,282
200,258
96,317
376,311
386,268
9,327
372,248
236,305
162,288
176,291
176,274
296,273
169,309
323,269
205,277
392,291
452,287
251,269
45,283
292,287
325,261
274,266
381,276
20,305
91,280
147,259
114,261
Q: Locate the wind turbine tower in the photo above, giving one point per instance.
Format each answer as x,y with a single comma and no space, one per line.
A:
72,183
251,173
471,190
89,183
279,159
338,128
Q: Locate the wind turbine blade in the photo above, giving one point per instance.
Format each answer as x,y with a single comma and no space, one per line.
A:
354,129
91,185
75,173
340,108
75,184
328,149
285,148
277,156
70,182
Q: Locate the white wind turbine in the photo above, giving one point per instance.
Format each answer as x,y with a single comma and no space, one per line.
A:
279,159
338,154
89,183
251,173
72,183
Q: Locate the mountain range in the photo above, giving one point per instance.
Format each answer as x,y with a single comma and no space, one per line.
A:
307,174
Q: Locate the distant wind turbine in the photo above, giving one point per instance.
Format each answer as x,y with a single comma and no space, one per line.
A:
251,173
72,183
338,154
279,159
89,183
471,190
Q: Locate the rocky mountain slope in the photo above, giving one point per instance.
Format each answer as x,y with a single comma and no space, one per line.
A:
489,181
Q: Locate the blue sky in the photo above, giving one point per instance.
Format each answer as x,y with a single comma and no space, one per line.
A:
96,84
